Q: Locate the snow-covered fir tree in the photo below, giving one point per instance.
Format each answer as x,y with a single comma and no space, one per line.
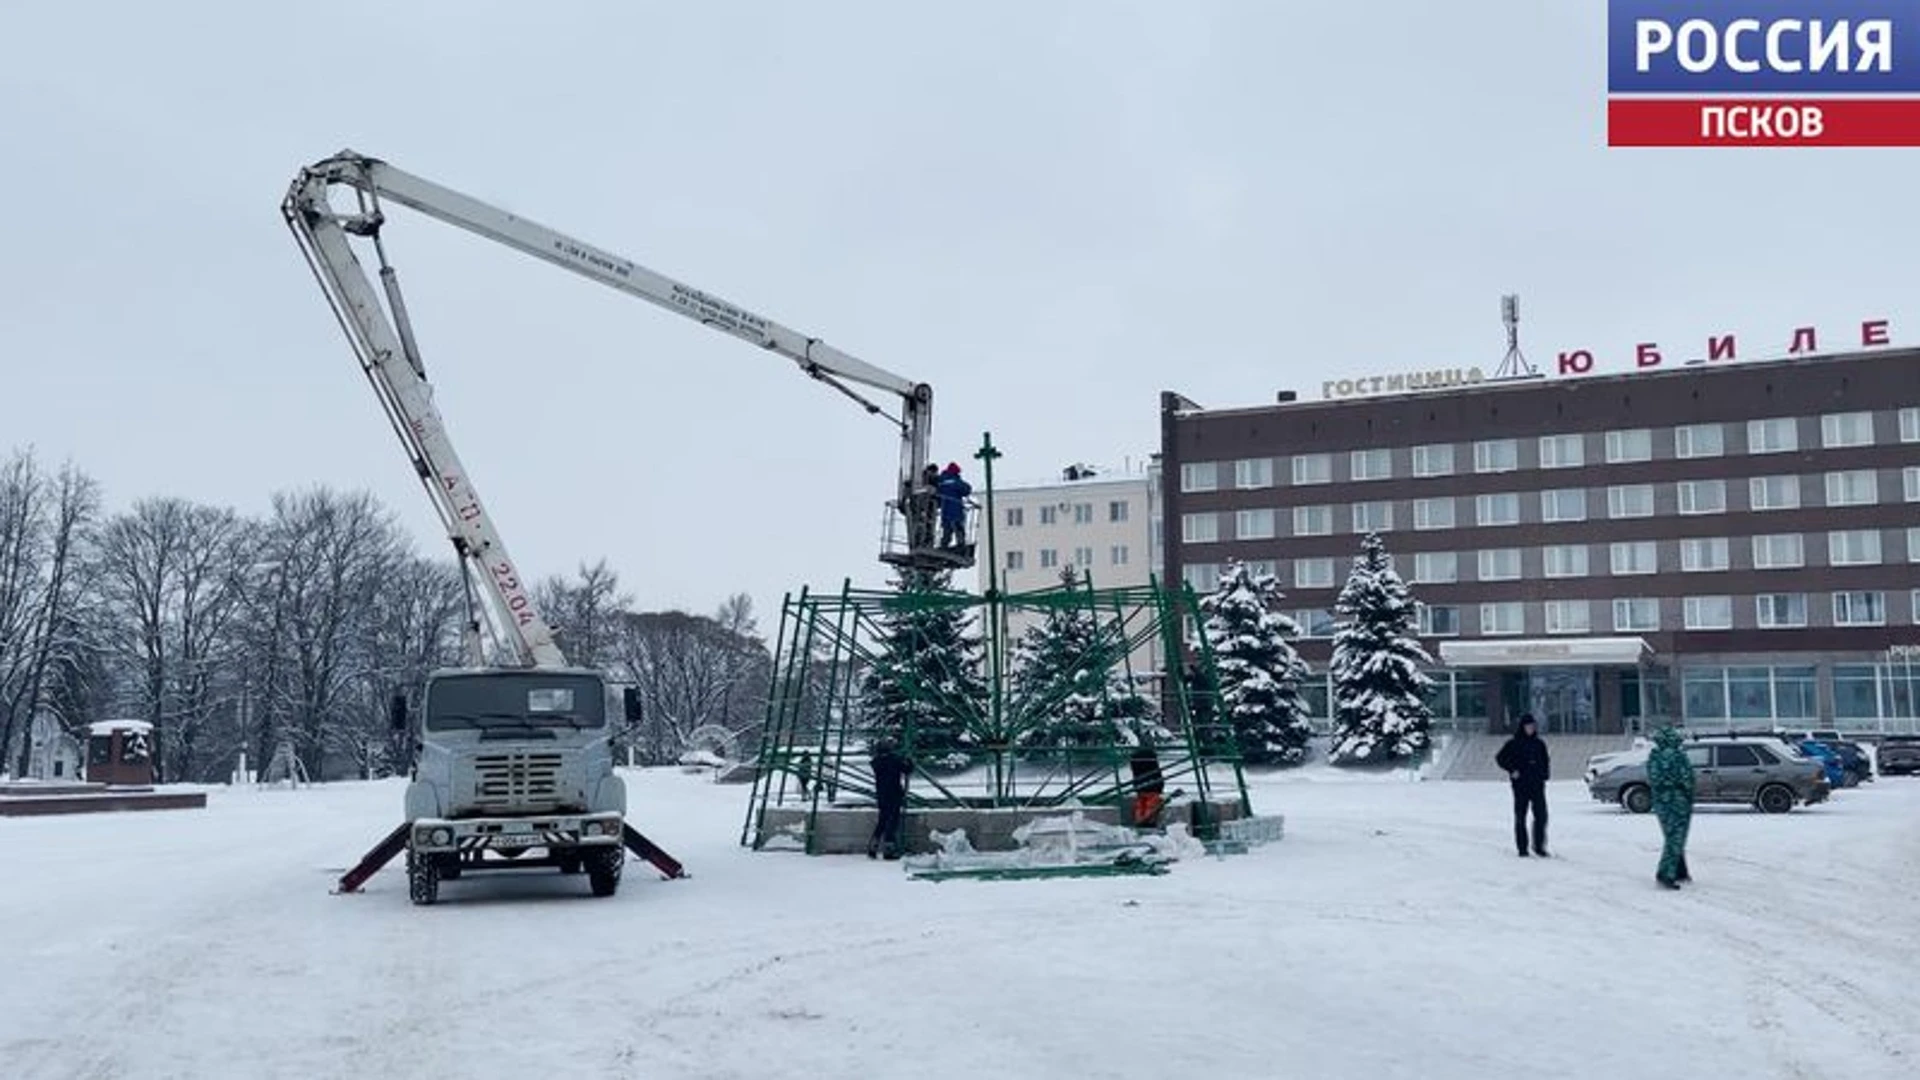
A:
1068,687
1258,669
1380,689
924,685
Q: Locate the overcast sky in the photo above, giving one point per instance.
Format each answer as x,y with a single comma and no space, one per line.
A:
1050,212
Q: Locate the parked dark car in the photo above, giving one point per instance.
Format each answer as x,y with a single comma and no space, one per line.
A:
1900,754
1759,771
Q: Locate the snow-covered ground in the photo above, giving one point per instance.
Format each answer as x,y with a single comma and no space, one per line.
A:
1392,933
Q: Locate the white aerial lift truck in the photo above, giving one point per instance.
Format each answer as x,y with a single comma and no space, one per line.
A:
513,749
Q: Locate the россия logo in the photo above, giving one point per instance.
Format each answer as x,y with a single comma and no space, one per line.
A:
1763,73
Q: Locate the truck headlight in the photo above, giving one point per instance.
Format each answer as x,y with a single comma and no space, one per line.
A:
441,837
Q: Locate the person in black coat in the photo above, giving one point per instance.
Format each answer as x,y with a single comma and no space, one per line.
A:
890,771
1149,785
1524,757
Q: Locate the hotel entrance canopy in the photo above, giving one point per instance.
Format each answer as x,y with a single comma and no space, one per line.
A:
1547,652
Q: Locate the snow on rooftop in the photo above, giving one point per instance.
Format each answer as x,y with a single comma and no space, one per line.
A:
106,727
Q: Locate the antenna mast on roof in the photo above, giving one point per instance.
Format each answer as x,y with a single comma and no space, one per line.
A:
1515,366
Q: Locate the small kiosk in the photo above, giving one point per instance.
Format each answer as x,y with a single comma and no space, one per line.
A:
120,753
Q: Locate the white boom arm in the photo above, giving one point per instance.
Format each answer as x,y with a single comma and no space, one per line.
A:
391,358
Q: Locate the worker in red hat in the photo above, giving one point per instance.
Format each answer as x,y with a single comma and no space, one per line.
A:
953,506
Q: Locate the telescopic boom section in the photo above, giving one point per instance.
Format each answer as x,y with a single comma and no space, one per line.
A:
392,363
379,182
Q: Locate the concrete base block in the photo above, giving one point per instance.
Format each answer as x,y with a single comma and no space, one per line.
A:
109,799
846,830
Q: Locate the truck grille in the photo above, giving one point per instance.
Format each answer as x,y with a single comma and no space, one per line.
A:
516,781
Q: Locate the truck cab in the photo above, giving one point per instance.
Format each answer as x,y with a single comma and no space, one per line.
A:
511,762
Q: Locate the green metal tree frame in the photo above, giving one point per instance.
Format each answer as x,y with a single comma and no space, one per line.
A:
814,744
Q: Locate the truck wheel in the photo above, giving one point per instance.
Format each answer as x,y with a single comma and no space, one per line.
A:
450,868
423,878
603,869
1637,798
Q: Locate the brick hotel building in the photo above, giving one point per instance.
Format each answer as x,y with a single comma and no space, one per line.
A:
1730,544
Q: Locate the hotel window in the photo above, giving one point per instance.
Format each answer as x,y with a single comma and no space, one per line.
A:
1199,476
1016,516
1846,429
1630,501
1777,436
1204,577
1083,513
1699,440
1253,473
1562,451
1636,614
1313,469
1436,567
1438,620
1497,509
1436,460
1632,445
1563,504
1500,564
1253,525
1910,483
1774,492
1703,554
1313,573
1569,617
1565,560
1703,496
1855,487
1717,695
1863,608
1854,547
1778,611
1708,612
1049,515
1314,622
1496,455
1372,517
1913,544
1118,555
1910,424
1256,567
1016,560
1635,557
1083,557
1372,464
1313,521
1199,528
1433,513
1117,510
1779,551
1049,558
1507,618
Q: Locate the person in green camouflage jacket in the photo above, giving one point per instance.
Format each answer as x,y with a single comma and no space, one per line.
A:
1670,775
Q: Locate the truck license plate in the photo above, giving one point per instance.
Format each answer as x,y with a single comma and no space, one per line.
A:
515,840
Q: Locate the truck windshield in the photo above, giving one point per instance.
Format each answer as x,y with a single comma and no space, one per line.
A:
507,700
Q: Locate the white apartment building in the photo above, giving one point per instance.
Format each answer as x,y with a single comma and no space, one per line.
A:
1106,527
